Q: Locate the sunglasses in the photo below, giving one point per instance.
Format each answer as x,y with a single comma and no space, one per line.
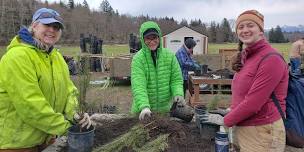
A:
49,15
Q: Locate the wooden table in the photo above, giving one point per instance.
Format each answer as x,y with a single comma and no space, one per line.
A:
195,81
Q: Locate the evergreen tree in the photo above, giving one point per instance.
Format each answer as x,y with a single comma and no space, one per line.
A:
106,7
219,34
61,4
71,4
204,29
195,23
227,32
212,32
271,36
276,35
279,35
184,22
85,4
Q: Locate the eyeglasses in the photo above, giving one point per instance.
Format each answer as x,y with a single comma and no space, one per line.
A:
151,38
56,26
49,15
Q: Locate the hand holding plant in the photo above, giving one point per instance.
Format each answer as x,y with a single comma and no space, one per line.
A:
83,120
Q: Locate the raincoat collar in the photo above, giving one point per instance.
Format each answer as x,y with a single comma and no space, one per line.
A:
27,37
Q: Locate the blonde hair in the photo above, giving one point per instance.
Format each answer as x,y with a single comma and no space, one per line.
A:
39,44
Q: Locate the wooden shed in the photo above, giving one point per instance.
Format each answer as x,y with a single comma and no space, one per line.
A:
174,40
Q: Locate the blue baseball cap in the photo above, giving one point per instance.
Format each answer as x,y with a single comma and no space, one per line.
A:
47,16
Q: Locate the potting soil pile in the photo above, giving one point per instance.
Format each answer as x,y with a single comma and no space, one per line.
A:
156,135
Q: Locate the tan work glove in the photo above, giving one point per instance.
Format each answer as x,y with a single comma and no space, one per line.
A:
221,112
83,120
216,119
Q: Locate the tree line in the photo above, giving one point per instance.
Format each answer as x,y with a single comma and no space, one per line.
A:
105,23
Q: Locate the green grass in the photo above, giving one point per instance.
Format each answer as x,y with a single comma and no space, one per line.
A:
281,47
108,50
114,50
214,48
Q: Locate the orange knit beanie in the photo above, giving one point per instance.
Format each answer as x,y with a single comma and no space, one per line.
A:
252,15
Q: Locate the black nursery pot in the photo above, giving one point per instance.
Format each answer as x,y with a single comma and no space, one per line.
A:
80,141
182,112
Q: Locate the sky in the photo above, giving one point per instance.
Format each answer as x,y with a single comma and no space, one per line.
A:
276,12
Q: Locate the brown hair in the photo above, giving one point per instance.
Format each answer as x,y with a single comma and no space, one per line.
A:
237,59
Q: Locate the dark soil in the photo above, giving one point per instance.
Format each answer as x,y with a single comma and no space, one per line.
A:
110,129
184,137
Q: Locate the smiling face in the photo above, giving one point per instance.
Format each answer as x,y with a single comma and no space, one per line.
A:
249,32
152,41
48,34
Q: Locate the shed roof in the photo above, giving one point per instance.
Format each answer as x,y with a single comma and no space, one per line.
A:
199,32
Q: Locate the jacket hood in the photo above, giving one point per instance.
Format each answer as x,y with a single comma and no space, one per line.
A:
144,27
25,38
18,42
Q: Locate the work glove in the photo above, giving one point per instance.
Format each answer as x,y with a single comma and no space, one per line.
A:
179,100
83,120
145,112
216,119
221,112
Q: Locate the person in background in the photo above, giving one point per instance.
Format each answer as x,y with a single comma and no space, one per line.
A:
37,97
184,57
297,49
156,77
259,126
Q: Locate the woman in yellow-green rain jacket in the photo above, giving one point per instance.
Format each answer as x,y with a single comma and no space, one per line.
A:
154,83
37,97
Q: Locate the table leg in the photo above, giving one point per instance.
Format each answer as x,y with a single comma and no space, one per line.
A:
196,92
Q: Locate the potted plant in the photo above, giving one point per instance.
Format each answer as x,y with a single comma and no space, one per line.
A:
81,139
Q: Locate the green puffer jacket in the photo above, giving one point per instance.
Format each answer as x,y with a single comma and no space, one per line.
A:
154,86
36,96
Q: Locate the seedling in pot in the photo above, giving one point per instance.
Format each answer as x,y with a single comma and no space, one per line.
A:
83,80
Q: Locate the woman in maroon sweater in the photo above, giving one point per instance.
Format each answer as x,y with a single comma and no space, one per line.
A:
259,126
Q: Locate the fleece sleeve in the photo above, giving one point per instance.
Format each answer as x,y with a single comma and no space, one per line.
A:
268,76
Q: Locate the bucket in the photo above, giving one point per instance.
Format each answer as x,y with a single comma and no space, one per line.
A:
182,112
80,141
221,142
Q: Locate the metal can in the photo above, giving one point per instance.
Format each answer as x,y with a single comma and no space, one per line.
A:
221,142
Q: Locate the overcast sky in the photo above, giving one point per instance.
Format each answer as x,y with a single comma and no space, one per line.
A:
276,12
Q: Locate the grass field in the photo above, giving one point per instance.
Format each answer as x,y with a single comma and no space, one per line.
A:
114,50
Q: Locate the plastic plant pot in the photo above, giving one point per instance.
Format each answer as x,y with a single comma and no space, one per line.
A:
80,141
182,112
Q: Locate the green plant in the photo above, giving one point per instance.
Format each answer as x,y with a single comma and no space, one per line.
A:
82,83
213,104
